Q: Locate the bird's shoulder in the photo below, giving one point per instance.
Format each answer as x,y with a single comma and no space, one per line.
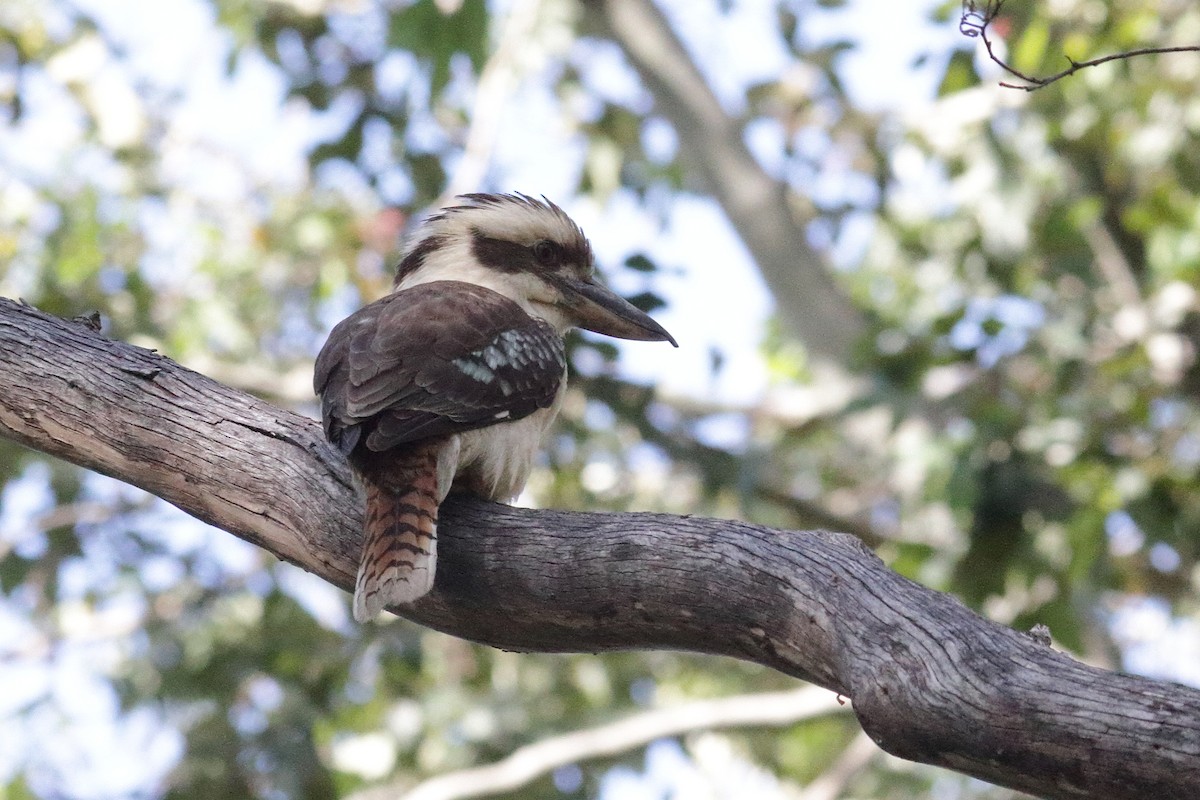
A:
442,320
448,316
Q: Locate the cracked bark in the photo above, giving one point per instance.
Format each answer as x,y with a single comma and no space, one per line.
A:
930,680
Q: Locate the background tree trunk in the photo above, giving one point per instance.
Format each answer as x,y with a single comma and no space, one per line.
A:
930,680
810,304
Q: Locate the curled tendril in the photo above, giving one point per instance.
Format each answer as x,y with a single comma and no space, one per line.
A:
974,20
972,23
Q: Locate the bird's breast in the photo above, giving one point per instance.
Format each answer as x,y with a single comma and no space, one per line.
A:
495,462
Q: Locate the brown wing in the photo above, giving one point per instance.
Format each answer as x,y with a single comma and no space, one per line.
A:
439,358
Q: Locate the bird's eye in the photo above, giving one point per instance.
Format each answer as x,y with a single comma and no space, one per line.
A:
547,253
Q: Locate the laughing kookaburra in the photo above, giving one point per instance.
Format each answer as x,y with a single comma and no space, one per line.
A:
455,375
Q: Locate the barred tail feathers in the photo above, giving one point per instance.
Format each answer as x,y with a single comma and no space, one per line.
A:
399,554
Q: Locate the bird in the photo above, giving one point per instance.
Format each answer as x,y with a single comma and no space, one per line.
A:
452,378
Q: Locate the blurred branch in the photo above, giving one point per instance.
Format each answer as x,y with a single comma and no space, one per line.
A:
810,303
83,512
292,388
930,680
533,761
818,516
976,19
1109,259
722,467
492,95
853,760
1112,264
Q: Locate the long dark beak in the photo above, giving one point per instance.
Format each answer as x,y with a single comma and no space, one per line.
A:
599,310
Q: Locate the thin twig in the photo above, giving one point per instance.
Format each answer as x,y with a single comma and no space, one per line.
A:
974,23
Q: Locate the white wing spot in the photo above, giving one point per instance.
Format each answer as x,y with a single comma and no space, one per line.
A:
495,356
474,369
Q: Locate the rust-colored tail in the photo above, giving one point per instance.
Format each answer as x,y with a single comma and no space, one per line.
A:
400,546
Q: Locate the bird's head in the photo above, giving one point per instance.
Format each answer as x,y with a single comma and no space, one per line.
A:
530,251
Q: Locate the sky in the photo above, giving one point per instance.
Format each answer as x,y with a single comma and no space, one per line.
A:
176,45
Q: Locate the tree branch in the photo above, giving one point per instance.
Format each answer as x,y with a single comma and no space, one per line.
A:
540,758
811,305
975,21
930,680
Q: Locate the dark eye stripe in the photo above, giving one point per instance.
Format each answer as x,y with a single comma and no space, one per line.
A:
545,254
500,254
416,257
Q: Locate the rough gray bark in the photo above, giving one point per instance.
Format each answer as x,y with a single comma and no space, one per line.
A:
930,680
811,305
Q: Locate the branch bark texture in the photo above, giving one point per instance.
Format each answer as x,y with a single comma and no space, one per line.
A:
930,681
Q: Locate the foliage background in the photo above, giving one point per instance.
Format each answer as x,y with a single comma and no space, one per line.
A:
1015,420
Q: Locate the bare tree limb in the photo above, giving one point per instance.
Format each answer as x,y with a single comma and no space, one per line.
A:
975,21
930,680
812,306
531,762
